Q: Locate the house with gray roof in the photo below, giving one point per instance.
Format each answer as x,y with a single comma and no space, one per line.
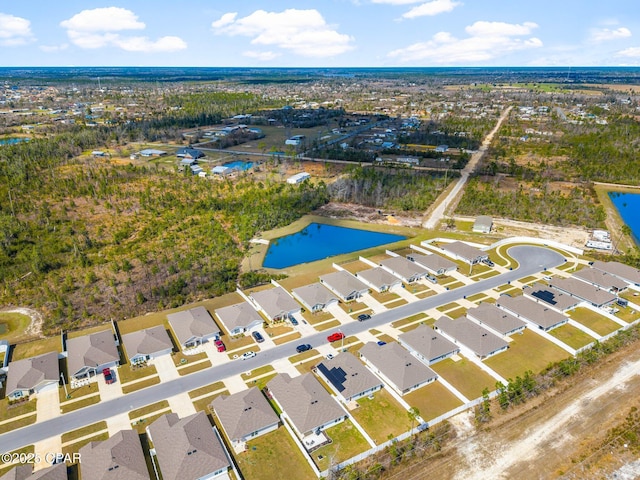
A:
32,375
315,297
629,274
90,354
397,367
120,457
601,279
576,288
434,263
405,270
306,402
496,320
554,298
275,303
344,285
24,471
479,340
239,318
187,447
536,314
193,327
147,344
378,279
482,224
428,345
348,377
244,415
465,252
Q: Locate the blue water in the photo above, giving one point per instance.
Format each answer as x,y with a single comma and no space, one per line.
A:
318,241
239,164
628,206
11,141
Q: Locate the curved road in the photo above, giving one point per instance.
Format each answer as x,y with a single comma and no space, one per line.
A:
531,260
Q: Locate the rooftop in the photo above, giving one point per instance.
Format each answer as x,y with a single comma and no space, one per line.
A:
28,373
118,458
195,322
314,294
464,250
425,341
495,318
348,375
379,277
238,315
433,262
275,301
583,290
536,313
551,296
343,283
476,338
403,267
244,412
147,341
91,351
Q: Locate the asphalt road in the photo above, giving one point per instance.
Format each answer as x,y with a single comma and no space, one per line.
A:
530,259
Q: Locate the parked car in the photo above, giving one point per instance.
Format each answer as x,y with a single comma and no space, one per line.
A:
381,342
108,376
432,279
219,345
259,338
248,355
488,262
363,316
334,337
329,356
303,348
293,321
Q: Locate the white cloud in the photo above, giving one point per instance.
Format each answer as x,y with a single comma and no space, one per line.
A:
487,41
605,34
396,2
631,52
262,56
303,32
435,7
14,31
53,48
101,27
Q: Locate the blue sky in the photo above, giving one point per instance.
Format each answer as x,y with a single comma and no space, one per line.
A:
327,33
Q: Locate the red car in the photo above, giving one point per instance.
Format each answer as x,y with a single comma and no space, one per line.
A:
219,345
108,376
334,337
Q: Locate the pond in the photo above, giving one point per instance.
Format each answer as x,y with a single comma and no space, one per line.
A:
628,206
318,241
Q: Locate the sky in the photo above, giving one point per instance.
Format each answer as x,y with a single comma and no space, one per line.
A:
320,33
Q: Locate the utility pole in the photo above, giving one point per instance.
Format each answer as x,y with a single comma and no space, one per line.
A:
64,385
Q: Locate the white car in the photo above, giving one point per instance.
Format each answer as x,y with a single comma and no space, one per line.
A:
248,355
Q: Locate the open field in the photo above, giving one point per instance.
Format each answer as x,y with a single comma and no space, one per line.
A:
381,416
432,400
466,377
264,458
528,351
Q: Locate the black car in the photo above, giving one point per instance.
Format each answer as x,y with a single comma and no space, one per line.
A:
303,348
363,316
259,338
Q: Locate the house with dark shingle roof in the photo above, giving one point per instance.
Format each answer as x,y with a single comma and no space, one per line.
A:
479,340
32,375
120,457
239,318
244,415
187,447
191,153
501,322
275,303
314,297
147,344
379,279
428,345
90,354
306,402
193,327
397,367
348,377
344,285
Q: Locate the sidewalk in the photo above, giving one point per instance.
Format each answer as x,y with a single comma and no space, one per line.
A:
165,367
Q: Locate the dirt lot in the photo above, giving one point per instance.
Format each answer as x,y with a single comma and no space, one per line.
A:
557,435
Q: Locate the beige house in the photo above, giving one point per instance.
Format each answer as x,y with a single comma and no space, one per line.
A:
32,375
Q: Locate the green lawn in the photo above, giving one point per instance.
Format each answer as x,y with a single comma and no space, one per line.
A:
327,325
432,400
145,411
465,376
627,314
90,389
23,422
203,403
128,373
287,338
15,410
572,336
347,442
477,296
264,458
85,402
140,385
84,431
528,351
206,389
257,372
304,355
396,303
196,367
37,347
448,306
408,320
13,326
317,317
382,416
260,382
593,320
179,358
384,296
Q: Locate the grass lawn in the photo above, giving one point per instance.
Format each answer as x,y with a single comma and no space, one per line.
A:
6,467
89,331
386,338
596,322
13,327
327,325
179,358
353,306
287,338
465,376
196,367
74,393
265,454
425,294
432,400
127,373
37,347
145,411
396,303
257,372
84,431
408,320
317,317
490,274
448,306
203,403
278,330
304,356
237,343
74,447
8,412
384,296
356,266
206,389
506,287
529,279
238,353
140,426
477,296
408,328
528,351
260,382
418,288
307,366
347,442
453,285
627,314
23,422
85,402
382,416
572,336
457,313
140,385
